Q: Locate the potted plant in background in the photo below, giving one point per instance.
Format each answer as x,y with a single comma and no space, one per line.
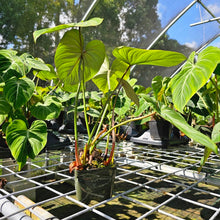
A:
24,104
201,71
76,64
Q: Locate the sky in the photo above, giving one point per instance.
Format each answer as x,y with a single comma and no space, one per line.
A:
181,30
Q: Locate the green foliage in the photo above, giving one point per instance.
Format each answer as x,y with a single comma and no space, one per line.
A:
18,91
136,56
24,142
89,23
193,76
20,100
71,57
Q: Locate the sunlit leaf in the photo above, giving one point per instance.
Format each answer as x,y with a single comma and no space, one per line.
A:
69,58
24,142
92,22
136,56
193,76
18,91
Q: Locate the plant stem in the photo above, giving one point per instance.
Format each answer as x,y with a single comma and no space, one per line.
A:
78,162
217,96
126,122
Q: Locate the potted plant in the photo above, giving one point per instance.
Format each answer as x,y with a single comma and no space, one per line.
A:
201,71
76,64
24,104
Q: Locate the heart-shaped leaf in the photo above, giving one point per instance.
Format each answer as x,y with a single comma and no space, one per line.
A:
136,56
49,109
89,23
18,91
70,57
24,142
193,76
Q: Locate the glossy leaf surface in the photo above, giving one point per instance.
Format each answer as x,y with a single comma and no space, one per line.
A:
24,142
18,91
193,76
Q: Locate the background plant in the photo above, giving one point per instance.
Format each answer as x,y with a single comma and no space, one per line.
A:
24,104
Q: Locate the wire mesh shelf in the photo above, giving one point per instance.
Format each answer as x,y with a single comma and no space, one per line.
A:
151,183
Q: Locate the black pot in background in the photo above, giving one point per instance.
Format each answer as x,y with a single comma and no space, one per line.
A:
160,129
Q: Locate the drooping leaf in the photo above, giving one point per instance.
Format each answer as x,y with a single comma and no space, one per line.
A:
129,91
18,91
177,120
49,109
207,153
92,22
69,55
193,76
24,142
136,56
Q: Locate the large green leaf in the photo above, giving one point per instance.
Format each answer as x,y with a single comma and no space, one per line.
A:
177,120
69,55
18,91
89,23
193,76
24,142
136,56
49,109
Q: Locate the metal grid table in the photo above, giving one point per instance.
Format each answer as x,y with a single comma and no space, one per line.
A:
151,183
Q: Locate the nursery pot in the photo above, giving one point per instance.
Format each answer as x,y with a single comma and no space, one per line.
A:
94,184
160,129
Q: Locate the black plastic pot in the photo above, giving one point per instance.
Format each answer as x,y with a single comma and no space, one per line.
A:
94,184
160,129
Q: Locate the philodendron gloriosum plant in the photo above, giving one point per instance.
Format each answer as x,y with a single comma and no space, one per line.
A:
21,100
77,63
